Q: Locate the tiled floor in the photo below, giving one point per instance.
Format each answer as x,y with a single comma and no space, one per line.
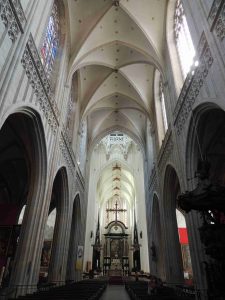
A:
115,292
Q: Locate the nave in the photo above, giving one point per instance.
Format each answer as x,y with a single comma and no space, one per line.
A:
112,146
104,289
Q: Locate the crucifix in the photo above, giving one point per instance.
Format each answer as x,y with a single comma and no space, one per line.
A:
115,210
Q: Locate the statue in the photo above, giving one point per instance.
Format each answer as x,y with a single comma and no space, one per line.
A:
206,196
209,199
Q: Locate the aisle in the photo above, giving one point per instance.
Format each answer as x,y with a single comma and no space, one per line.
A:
115,292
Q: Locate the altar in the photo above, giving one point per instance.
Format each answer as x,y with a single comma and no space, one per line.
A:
116,264
115,245
115,272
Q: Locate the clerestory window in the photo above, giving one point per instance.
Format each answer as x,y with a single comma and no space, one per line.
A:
51,41
184,43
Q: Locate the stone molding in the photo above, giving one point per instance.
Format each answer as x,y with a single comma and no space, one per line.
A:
66,152
152,179
166,149
70,159
68,144
13,17
216,18
80,180
35,72
193,83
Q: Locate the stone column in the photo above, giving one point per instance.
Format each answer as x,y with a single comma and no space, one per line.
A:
74,241
58,261
172,250
27,260
197,252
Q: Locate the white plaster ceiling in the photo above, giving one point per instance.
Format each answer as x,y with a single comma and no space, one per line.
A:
115,50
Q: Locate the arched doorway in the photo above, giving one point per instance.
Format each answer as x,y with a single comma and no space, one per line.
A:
156,245
74,269
22,187
173,257
206,168
59,201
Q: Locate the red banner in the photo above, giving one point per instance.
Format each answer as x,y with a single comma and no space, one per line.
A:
183,236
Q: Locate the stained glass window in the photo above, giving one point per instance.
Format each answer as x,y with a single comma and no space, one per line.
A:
51,42
185,47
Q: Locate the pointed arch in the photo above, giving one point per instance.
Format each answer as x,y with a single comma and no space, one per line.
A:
24,175
60,200
173,259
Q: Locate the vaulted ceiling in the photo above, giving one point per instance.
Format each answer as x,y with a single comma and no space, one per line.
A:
116,182
115,48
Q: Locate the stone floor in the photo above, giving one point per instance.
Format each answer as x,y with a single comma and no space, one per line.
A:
115,292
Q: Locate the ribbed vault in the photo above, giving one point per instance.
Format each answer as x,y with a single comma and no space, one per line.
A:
116,46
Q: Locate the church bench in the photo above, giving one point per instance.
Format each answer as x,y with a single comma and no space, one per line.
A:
139,291
87,290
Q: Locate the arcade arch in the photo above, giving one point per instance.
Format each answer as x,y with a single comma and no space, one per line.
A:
23,178
173,259
60,201
206,168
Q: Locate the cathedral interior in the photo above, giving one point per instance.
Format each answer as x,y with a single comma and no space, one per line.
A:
112,144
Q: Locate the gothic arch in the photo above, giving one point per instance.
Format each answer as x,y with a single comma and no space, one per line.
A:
23,176
200,130
60,201
173,259
206,142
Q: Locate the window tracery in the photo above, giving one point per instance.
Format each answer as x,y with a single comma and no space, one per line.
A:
50,45
184,43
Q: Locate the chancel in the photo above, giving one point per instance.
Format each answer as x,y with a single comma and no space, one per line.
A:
112,147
